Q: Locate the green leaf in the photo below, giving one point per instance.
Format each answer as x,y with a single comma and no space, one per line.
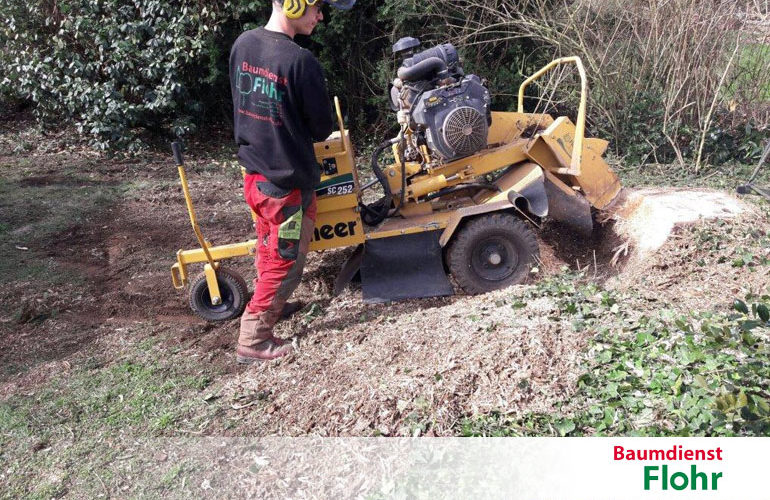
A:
761,404
740,306
611,389
677,386
565,426
763,312
749,325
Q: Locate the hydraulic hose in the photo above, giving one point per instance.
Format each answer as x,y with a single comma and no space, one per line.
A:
761,161
376,212
749,186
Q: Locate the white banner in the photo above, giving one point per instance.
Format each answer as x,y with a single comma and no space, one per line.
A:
483,468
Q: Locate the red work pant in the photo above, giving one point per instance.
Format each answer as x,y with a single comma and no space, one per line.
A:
285,222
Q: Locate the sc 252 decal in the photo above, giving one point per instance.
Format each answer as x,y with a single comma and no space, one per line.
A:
335,189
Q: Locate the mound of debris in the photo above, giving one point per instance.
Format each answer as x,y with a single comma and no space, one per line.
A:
645,218
413,367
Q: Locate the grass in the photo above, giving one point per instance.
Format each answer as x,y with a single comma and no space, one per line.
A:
726,177
752,60
70,423
32,214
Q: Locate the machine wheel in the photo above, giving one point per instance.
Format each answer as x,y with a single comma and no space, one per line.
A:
234,296
491,252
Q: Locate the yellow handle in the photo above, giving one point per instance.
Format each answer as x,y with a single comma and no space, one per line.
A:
580,126
340,123
191,211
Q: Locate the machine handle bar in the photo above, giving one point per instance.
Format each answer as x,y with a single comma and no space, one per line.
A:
177,149
580,126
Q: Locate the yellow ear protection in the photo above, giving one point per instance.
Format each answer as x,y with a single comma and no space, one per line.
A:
294,9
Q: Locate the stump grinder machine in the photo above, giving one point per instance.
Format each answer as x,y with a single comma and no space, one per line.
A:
462,195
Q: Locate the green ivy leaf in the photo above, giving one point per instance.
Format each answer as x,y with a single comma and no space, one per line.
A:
761,404
740,306
565,426
763,312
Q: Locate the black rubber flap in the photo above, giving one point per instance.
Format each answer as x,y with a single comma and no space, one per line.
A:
402,267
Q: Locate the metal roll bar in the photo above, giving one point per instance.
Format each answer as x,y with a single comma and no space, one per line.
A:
580,126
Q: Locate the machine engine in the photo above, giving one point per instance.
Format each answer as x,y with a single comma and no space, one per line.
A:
446,109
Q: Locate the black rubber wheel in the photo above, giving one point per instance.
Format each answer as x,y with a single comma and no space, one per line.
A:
491,252
234,296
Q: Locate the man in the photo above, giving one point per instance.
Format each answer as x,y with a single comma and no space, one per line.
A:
281,107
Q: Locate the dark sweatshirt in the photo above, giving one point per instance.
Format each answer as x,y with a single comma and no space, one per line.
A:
280,107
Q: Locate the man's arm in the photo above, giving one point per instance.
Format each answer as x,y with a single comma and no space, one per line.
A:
316,107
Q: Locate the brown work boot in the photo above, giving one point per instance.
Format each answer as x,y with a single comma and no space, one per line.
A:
264,351
290,308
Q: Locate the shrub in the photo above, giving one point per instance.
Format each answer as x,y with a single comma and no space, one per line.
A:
118,70
664,76
669,81
112,68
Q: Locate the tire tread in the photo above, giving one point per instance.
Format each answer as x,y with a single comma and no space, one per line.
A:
225,277
462,244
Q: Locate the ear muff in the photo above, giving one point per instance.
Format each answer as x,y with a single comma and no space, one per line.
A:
294,9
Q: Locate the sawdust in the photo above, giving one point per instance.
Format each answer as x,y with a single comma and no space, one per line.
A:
646,217
416,367
683,248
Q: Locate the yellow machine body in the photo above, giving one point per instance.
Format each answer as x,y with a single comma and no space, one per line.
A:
338,221
534,151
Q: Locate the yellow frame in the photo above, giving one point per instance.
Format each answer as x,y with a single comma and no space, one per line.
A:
508,146
580,126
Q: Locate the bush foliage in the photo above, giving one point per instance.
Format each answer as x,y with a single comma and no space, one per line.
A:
110,67
125,71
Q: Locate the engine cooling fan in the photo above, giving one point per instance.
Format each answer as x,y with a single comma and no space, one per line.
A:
465,130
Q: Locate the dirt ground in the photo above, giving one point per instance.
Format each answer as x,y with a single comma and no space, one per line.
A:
88,242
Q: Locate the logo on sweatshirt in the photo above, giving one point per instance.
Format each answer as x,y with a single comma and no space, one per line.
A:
262,93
